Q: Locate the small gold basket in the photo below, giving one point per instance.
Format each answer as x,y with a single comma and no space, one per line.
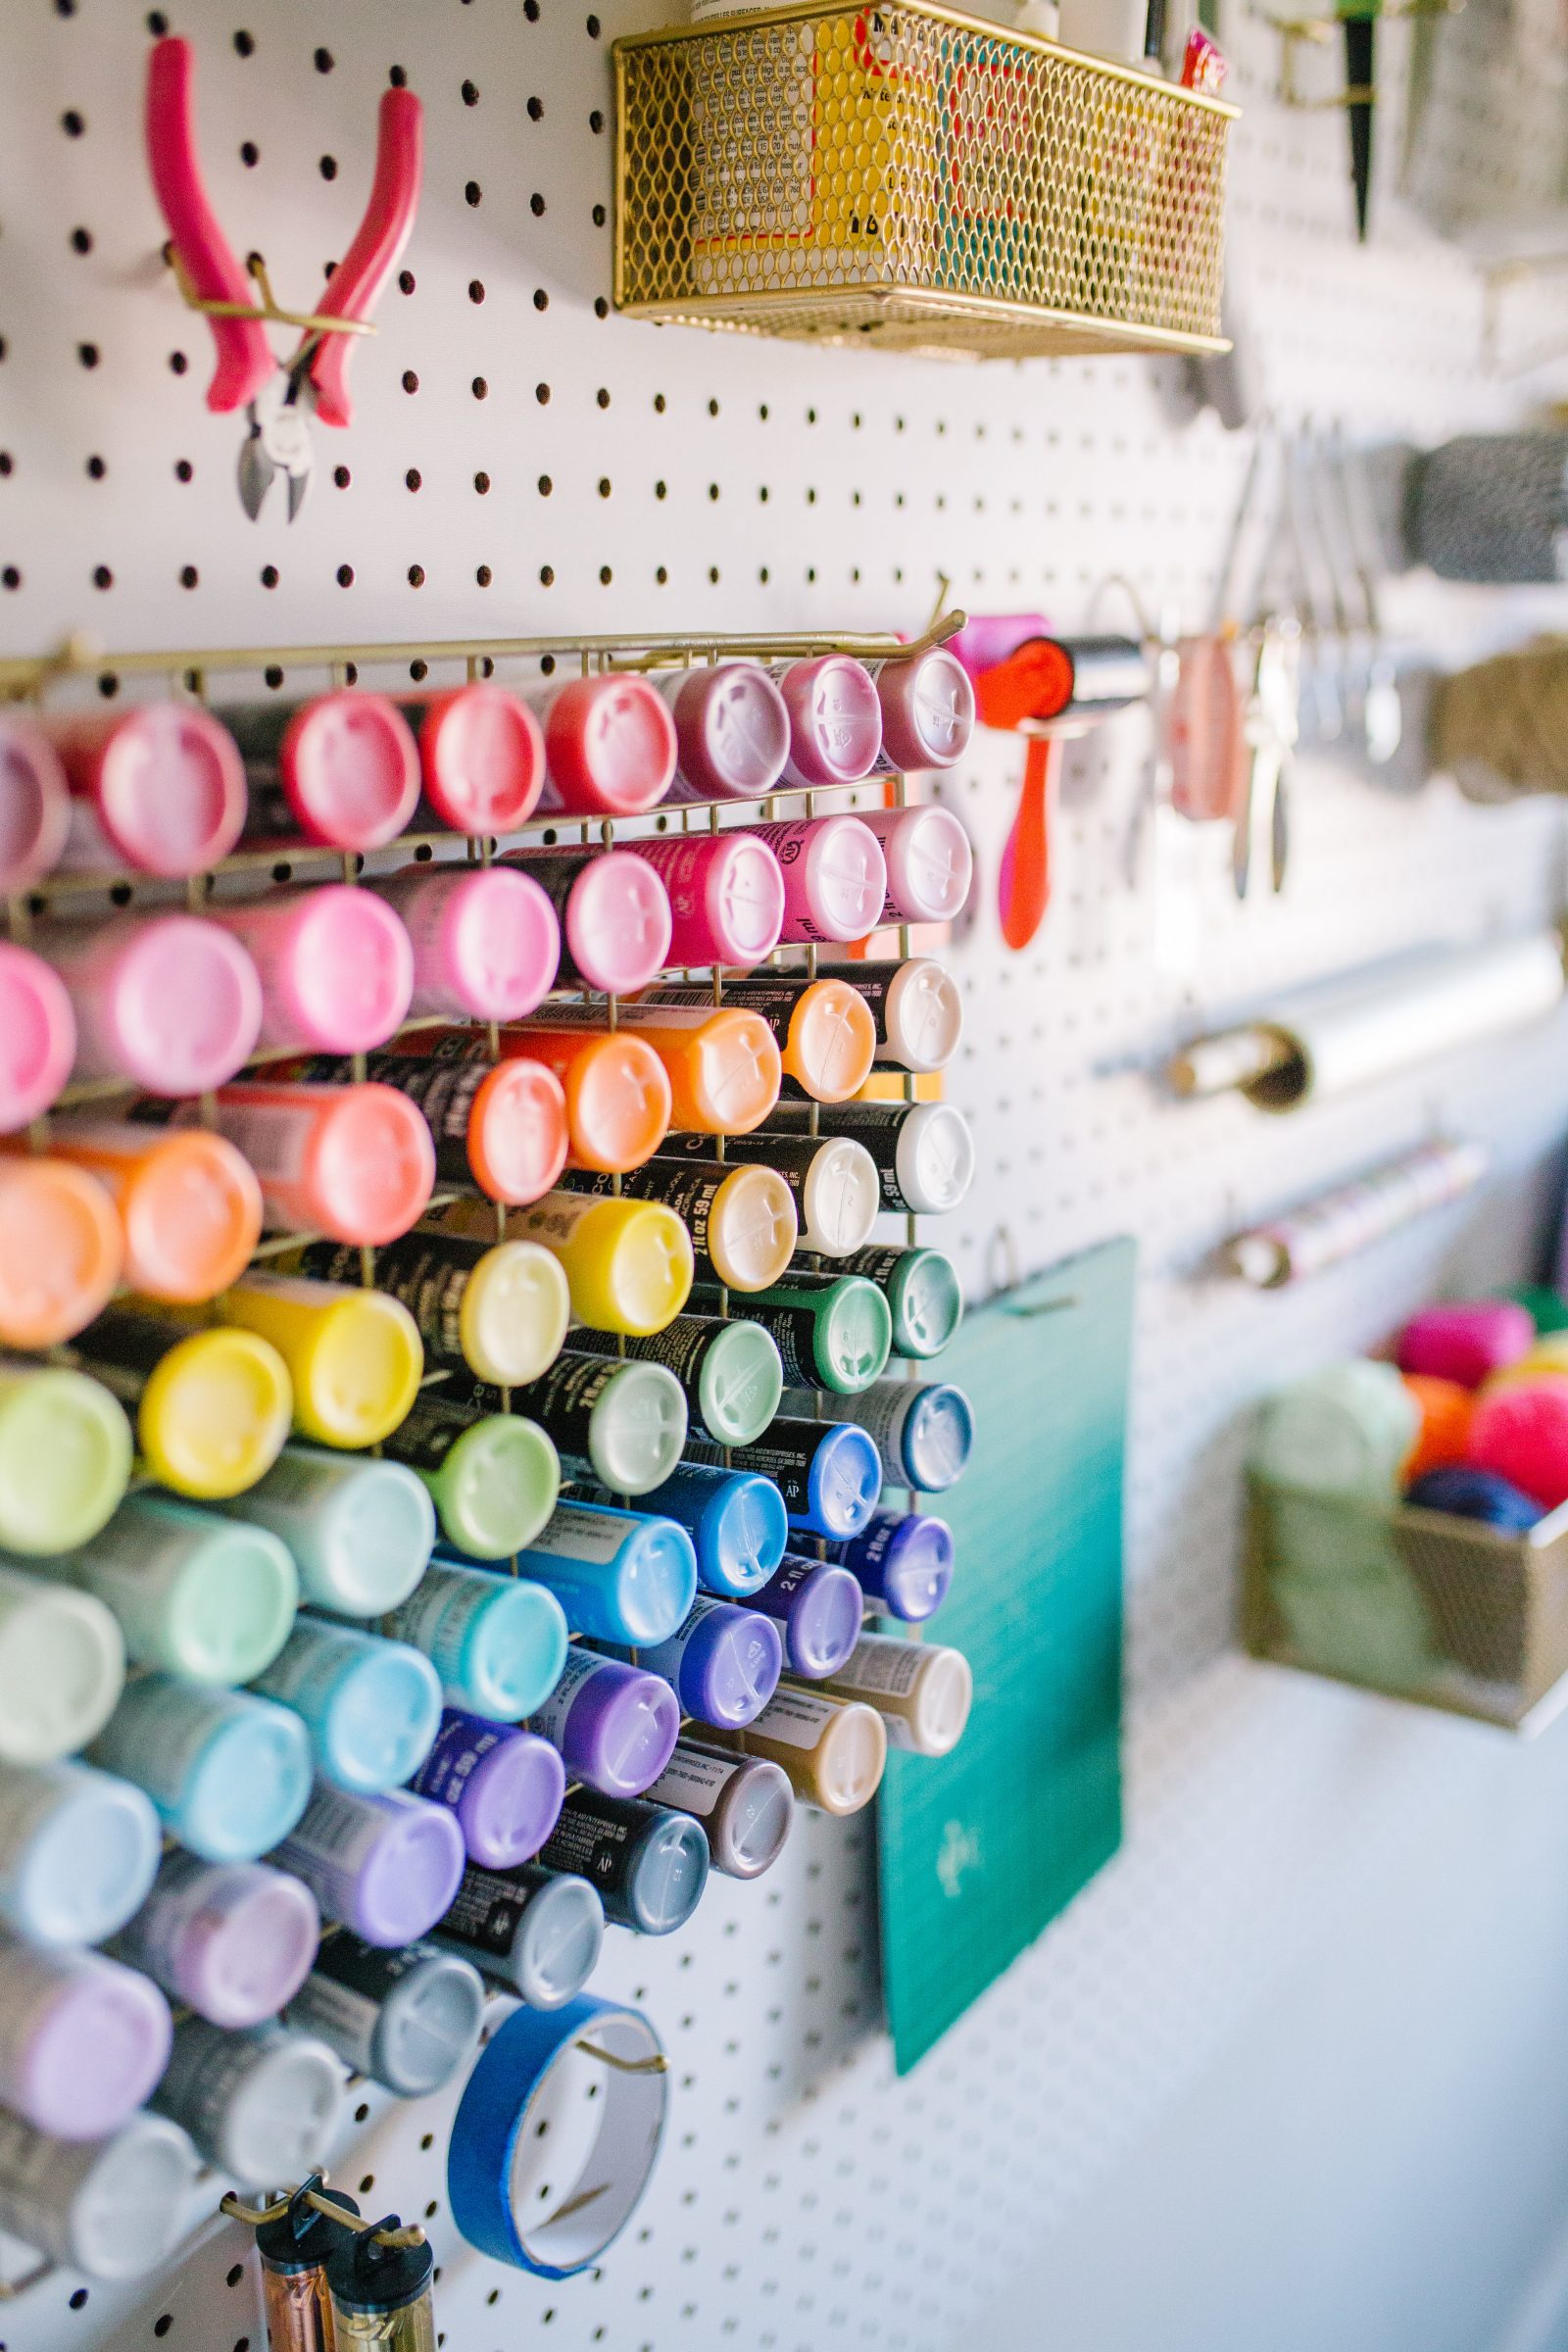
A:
917,179
1421,1604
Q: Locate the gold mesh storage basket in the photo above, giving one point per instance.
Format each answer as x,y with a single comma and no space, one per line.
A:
918,180
1421,1604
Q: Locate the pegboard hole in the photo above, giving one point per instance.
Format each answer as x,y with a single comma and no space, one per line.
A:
662,577
96,468
189,576
269,575
536,204
342,476
81,240
473,193
606,575
416,576
541,393
250,154
414,477
603,485
184,469
406,282
536,110
72,123
484,575
602,397
88,353
7,462
163,2323
245,44
479,388
398,76
345,575
273,676
481,483
102,576
661,404
471,93
541,299
427,2140
476,289
601,306
325,61
600,216
547,575
237,2270
78,2298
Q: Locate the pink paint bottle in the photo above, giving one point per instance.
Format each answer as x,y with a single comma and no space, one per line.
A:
610,745
732,731
335,966
38,1037
160,788
614,912
986,639
930,863
343,770
726,894
928,705
835,878
482,753
485,938
835,720
34,805
170,1001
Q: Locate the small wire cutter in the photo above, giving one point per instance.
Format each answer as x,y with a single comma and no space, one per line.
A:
280,397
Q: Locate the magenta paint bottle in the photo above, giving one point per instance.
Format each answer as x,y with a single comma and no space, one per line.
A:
726,896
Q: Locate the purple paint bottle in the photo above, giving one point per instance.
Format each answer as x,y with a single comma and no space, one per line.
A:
723,1662
505,1784
817,1607
903,1561
385,1866
82,2039
615,1725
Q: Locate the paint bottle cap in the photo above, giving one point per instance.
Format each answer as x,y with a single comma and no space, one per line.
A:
726,896
637,1427
511,1796
825,1622
666,1879
926,1299
853,1335
617,922
938,1436
498,1485
351,769
250,1781
128,2197
61,1668
724,1070
846,1480
410,1872
755,1820
188,1200
841,1197
214,1413
729,1665
64,1457
37,1036
60,1251
832,1041
167,785
429,2025
206,1597
169,1000
246,1942
942,1698
635,1274
483,754
95,2052
930,863
732,728
559,1941
905,1561
927,709
512,1324
360,1530
851,1757
610,746
371,1162
34,805
618,1100
518,1134
373,1707
86,1851
355,1357
486,941
623,1576
740,1382
280,2109
622,1727
923,1015
835,723
336,965
1468,1341
935,1158
736,1519
846,874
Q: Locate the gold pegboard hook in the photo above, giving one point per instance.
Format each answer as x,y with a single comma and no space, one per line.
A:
1316,32
269,309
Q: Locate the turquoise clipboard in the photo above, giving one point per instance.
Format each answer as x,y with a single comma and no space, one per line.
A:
977,1851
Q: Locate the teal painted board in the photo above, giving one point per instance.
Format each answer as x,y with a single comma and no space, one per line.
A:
978,1850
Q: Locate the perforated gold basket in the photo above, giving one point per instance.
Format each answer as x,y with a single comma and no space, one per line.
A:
914,179
1418,1603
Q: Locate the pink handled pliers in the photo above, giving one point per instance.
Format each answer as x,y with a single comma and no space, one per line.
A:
280,397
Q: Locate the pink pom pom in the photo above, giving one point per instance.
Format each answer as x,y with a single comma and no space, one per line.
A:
1467,1342
1521,1433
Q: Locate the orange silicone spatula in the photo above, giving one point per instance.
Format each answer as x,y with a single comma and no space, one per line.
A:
1023,880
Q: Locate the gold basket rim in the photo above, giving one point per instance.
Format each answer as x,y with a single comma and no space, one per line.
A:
703,310
1550,1527
807,11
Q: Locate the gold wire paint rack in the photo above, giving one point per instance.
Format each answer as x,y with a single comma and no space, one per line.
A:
1419,1605
918,180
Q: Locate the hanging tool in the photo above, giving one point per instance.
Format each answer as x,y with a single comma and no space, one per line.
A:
1269,725
1359,24
280,397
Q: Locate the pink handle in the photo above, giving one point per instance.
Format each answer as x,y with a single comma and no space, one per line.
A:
353,288
244,357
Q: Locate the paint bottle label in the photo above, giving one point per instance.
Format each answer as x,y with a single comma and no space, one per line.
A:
550,1720
785,1454
563,1400
572,1533
689,1191
794,1718
157,1734
342,1998
428,1434
420,1274
461,1746
329,1845
438,1613
682,1348
307,1668
693,1783
599,1838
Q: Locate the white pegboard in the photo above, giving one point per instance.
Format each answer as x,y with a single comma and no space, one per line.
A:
659,478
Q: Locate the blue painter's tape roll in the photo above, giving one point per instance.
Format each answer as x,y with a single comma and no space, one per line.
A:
552,2201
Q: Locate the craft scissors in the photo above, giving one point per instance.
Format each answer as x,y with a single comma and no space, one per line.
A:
280,397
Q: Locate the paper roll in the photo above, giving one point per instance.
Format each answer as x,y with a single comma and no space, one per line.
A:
1372,1024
